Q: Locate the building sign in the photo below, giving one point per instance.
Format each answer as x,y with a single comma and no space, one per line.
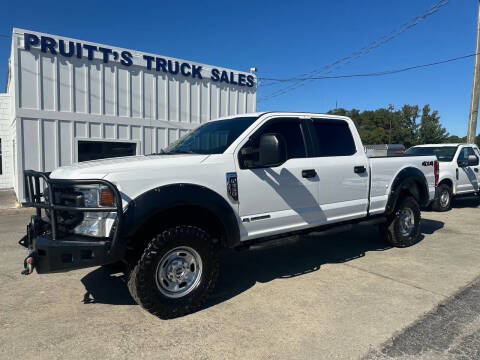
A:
79,50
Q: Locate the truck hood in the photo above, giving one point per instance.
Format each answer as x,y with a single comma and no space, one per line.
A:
98,169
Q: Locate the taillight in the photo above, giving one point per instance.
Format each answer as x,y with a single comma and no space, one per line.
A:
436,171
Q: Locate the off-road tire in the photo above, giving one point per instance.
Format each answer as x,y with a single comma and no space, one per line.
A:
391,231
437,204
142,277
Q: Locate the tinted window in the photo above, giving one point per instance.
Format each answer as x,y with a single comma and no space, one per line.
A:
94,150
292,134
213,137
443,153
334,138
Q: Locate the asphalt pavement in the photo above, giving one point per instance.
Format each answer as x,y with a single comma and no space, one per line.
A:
332,296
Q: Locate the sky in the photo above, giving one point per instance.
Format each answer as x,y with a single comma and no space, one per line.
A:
285,39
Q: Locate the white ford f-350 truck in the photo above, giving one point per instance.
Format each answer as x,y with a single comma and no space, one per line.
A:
459,170
230,183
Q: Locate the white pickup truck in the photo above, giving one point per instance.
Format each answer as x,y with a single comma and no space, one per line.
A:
230,183
459,170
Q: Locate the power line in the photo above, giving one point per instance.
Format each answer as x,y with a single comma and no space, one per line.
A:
382,40
379,73
368,48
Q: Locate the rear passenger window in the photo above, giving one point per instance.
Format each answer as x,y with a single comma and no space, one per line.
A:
334,138
292,133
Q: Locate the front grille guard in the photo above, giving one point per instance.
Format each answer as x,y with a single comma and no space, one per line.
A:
34,196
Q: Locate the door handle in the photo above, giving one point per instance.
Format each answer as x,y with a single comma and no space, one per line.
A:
359,169
309,173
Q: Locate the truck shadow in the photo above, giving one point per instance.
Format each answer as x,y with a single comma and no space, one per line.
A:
293,257
461,202
281,259
465,202
106,286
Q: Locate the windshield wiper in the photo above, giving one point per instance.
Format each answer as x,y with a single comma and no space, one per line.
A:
172,152
180,151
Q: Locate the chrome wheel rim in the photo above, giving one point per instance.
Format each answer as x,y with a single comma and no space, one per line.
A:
444,199
179,272
407,221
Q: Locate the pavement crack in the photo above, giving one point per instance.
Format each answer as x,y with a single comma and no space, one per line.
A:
396,280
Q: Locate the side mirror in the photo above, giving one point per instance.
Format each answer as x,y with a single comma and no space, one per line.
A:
472,160
271,150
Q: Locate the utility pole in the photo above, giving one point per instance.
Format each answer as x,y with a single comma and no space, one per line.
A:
390,109
472,118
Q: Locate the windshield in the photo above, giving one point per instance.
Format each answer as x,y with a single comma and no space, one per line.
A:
211,138
443,153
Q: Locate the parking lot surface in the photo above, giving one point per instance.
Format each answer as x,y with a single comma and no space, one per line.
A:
337,295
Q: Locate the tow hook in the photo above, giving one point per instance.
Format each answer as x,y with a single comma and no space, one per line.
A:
28,264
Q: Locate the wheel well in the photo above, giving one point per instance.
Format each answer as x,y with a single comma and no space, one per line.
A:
423,195
407,192
181,215
417,190
447,182
410,187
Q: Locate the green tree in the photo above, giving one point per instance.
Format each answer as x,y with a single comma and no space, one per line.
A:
409,127
400,126
456,139
430,130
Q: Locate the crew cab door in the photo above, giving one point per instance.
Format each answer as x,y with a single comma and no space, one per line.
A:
476,169
342,168
466,175
279,198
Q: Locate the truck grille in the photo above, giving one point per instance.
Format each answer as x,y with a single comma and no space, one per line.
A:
66,196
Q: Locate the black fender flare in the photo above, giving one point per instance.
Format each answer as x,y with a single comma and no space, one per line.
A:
412,180
153,202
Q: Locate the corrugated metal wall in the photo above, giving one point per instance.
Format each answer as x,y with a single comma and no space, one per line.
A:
50,83
59,100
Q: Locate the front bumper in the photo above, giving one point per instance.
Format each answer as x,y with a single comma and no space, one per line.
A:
50,250
50,255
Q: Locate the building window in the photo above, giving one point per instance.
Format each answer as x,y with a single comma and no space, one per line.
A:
94,150
1,163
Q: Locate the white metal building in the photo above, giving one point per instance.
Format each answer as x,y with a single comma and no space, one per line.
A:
69,100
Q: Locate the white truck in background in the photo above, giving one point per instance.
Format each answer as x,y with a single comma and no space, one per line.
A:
230,183
459,170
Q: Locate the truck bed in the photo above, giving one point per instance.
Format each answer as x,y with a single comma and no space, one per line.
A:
386,168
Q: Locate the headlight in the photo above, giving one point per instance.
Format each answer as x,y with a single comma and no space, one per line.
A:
96,196
96,224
